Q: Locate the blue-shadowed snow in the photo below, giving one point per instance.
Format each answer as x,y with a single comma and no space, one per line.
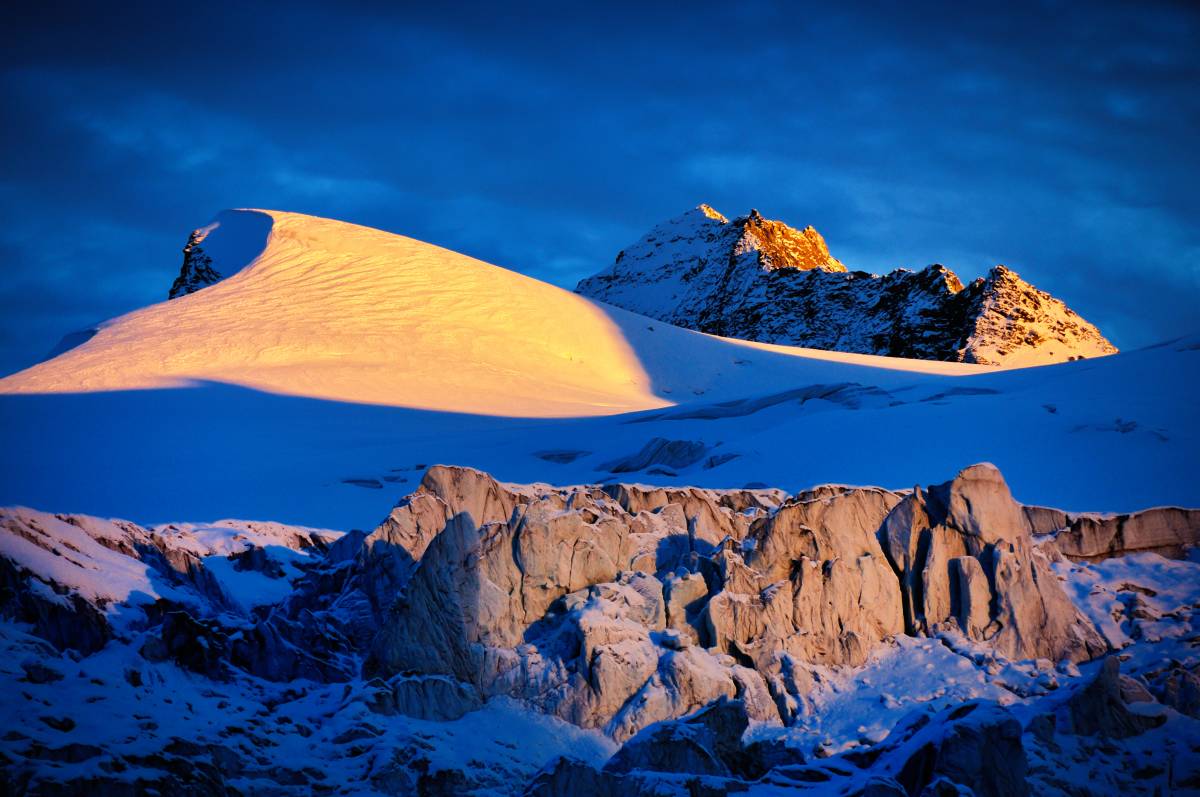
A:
313,385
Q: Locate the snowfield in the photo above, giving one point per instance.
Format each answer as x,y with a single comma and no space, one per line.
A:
309,386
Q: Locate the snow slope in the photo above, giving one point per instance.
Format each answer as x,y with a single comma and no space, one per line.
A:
336,311
312,387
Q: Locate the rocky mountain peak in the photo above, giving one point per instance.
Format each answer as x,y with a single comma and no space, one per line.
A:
197,271
1012,322
760,279
682,267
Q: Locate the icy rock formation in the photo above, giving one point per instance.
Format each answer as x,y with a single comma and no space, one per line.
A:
1181,691
197,271
621,606
977,745
965,554
1103,720
670,619
761,280
706,743
1101,708
1167,531
552,595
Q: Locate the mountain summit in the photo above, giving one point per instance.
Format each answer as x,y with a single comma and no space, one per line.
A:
759,279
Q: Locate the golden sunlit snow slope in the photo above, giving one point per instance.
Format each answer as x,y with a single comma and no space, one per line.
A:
337,311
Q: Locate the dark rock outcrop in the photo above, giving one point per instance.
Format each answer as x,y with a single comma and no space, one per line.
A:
1180,690
1099,708
197,271
705,743
67,623
977,745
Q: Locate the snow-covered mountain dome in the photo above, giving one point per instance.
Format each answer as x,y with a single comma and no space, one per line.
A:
299,305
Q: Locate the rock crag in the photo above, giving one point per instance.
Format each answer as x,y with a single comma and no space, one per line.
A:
197,270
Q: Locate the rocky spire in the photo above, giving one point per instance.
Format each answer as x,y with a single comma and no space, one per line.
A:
197,271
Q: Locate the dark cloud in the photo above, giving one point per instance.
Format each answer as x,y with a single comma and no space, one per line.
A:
544,137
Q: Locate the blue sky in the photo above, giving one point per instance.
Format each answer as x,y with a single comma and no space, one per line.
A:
1057,139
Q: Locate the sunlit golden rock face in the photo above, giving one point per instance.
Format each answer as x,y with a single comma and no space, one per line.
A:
775,244
780,246
1014,323
762,280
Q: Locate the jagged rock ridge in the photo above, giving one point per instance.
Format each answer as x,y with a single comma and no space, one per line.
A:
761,280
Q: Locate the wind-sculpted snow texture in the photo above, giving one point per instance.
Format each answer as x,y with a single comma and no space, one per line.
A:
761,280
493,638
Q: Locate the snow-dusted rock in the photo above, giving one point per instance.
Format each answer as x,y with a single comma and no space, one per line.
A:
622,606
1100,708
566,775
191,589
705,743
762,280
208,258
659,452
197,271
977,746
553,596
1134,691
1180,690
927,538
1168,531
432,697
